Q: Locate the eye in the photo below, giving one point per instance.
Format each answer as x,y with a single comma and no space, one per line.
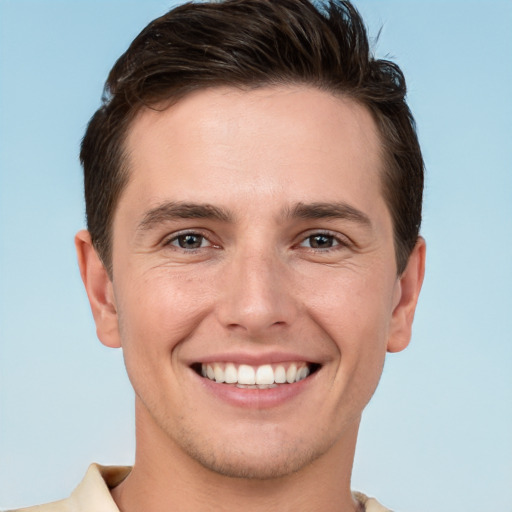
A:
189,241
320,241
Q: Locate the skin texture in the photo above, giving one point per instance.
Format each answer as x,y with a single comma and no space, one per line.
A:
280,170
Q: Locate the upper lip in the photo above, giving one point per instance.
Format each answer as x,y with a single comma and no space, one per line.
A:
254,359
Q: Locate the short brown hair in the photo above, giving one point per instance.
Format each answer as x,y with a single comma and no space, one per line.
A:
251,44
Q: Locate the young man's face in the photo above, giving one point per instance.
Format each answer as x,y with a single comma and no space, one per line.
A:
251,240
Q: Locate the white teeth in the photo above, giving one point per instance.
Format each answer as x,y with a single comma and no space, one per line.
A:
256,386
265,374
261,377
302,373
246,374
218,372
280,375
291,373
230,374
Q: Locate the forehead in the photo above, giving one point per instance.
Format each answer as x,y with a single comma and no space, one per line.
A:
224,143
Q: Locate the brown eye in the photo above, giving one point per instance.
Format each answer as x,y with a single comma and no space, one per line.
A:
320,241
189,241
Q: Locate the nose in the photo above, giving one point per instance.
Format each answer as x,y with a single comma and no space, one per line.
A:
258,293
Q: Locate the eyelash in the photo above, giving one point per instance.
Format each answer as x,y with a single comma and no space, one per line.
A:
176,237
336,240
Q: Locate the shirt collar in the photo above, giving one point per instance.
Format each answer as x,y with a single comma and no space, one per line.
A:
93,492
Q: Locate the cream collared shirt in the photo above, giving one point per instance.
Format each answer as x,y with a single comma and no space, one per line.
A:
93,494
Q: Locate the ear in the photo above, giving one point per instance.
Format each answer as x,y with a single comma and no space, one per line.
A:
99,290
407,291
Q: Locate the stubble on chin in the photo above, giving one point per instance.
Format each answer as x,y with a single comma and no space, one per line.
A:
246,460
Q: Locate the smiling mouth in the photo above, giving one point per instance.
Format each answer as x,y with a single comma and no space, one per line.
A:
256,377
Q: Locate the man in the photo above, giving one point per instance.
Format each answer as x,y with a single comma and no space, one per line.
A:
253,188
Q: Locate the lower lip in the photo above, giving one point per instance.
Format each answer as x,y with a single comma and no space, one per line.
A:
257,398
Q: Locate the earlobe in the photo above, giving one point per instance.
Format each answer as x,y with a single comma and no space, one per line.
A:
99,290
409,286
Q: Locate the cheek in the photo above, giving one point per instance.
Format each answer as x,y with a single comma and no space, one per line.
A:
355,310
157,314
161,309
355,313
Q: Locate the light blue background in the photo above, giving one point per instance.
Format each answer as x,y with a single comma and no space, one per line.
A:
438,434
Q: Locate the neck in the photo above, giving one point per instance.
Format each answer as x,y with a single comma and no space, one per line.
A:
165,477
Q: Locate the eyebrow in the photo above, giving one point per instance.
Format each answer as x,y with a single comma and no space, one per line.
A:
174,210
182,210
328,211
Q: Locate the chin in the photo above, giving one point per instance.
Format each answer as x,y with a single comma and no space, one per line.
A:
252,458
263,467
